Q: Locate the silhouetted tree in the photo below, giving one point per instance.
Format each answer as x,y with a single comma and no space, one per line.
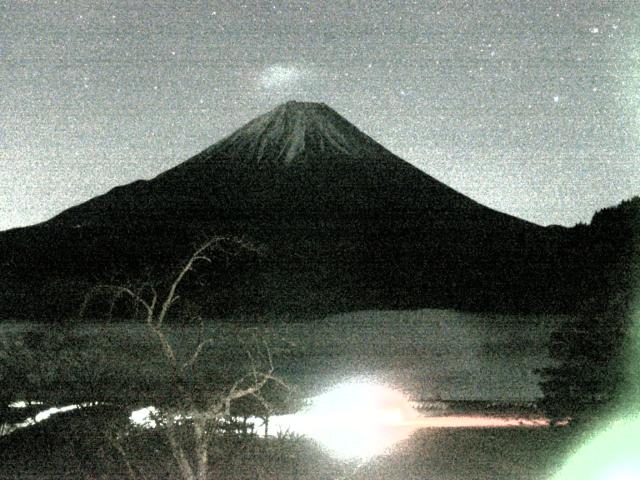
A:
590,350
194,376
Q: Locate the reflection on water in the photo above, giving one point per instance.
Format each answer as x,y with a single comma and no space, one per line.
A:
356,419
361,419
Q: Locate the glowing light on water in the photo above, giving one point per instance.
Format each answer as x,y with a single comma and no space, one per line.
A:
357,419
480,421
360,419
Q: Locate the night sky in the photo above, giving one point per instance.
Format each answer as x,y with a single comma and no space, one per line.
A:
532,108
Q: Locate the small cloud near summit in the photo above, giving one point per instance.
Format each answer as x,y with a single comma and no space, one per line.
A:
282,77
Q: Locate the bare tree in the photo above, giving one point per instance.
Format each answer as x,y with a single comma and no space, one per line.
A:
200,416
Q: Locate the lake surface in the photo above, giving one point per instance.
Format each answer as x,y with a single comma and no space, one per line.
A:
398,382
429,354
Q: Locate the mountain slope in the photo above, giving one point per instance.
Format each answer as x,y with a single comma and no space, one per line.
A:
345,224
298,159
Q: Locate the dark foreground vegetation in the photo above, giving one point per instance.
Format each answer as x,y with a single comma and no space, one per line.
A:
596,351
195,388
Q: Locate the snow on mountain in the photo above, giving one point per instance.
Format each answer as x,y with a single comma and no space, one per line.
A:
294,132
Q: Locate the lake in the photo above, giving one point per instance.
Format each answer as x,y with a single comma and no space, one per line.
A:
429,354
382,377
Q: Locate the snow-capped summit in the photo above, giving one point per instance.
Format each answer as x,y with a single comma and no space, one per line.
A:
295,132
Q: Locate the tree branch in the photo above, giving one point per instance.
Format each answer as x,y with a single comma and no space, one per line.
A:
178,452
195,257
192,360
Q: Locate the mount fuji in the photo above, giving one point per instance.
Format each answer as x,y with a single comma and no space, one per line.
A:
343,222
